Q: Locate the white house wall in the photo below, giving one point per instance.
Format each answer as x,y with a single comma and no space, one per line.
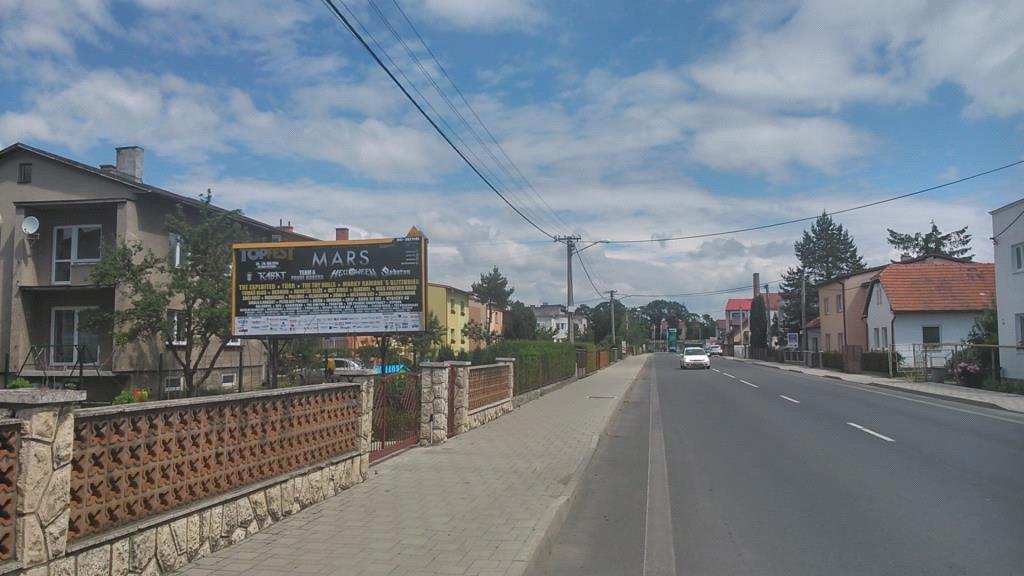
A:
953,328
1009,288
879,315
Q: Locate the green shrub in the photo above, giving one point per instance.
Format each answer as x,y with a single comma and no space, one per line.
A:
832,360
126,396
18,383
538,362
877,362
1008,386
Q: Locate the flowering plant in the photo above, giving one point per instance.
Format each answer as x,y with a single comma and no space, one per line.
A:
968,374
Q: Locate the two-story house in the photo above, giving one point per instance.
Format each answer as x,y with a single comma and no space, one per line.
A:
840,304
553,317
737,314
1008,236
57,218
919,308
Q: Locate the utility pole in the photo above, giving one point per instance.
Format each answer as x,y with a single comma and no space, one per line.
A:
803,311
611,296
570,247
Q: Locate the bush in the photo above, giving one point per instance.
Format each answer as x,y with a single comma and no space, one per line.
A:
18,383
538,363
126,396
877,362
1008,386
832,360
969,374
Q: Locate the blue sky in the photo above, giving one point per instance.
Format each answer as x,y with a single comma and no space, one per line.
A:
631,119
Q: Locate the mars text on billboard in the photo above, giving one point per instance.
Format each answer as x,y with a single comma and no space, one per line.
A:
350,287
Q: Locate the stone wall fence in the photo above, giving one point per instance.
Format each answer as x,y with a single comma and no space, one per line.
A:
145,488
457,397
489,392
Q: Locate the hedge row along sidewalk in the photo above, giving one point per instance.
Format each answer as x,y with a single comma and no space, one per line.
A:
480,504
1011,402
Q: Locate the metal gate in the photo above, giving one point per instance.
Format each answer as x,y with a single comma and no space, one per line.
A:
396,413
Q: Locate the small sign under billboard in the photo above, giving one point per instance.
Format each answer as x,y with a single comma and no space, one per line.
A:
793,339
362,287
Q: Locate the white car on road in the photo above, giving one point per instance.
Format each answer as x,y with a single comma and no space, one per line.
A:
694,358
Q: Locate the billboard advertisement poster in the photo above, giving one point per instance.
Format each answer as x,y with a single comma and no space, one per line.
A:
364,287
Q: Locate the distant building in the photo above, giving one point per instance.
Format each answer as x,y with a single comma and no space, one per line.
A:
737,316
450,306
926,304
553,317
840,307
1008,223
479,312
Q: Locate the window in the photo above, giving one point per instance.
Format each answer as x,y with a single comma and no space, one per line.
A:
931,335
179,334
826,306
878,341
1019,323
173,383
878,295
74,245
1017,251
885,337
842,341
839,303
828,341
70,340
178,255
227,379
24,173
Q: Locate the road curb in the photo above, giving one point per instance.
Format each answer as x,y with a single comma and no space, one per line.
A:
913,391
557,513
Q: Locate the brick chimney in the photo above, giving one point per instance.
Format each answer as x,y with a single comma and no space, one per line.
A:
341,233
129,161
285,227
757,284
905,257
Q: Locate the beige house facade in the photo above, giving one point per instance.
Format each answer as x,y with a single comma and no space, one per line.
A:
57,219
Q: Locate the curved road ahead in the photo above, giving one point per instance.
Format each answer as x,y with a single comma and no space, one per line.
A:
747,469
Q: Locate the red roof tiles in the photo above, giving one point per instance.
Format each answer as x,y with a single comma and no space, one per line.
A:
773,300
945,287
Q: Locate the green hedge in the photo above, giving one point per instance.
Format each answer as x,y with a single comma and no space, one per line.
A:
832,360
877,362
538,363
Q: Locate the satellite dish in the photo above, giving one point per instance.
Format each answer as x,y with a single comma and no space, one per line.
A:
30,225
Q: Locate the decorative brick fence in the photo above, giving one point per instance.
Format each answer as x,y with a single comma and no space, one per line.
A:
9,441
480,394
145,488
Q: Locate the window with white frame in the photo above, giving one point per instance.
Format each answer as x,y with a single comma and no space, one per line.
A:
1019,323
828,341
885,337
179,333
931,335
878,295
826,301
1017,252
878,340
74,245
71,341
839,303
179,255
227,379
173,383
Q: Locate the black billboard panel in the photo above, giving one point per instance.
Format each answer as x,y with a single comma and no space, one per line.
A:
344,287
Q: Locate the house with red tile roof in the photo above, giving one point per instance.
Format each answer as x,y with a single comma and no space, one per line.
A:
737,315
924,304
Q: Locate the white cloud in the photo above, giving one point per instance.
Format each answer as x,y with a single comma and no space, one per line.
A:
485,15
52,25
824,55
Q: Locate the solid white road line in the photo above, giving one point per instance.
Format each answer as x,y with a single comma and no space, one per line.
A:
717,370
788,398
749,384
872,432
729,375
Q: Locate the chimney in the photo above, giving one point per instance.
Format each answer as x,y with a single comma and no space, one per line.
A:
129,161
285,227
905,257
341,233
757,284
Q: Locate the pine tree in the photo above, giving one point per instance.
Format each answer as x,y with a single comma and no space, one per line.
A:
758,324
824,252
956,244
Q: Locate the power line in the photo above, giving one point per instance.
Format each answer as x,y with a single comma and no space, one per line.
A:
451,106
808,218
587,272
334,9
707,293
501,149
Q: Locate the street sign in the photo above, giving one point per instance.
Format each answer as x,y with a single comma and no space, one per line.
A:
793,339
364,287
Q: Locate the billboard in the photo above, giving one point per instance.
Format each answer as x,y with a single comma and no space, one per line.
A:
365,287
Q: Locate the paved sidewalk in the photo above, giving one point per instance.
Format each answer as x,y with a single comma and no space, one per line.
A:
1012,402
478,505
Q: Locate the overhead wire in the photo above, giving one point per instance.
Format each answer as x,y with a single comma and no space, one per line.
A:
809,218
583,265
1008,226
448,140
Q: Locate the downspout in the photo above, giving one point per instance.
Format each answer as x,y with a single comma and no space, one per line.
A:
842,296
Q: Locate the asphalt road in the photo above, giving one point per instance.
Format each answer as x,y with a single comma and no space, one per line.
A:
752,470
